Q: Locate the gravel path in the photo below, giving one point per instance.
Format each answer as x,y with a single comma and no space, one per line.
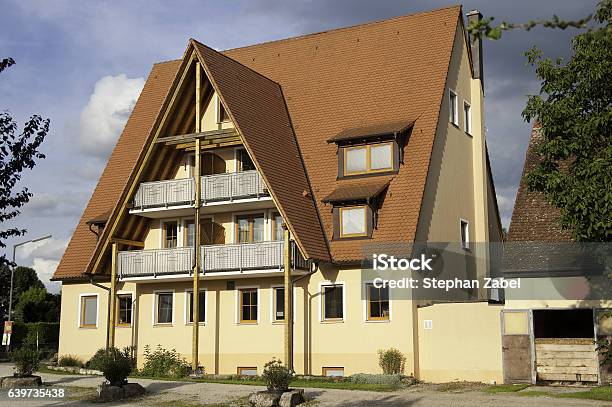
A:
211,393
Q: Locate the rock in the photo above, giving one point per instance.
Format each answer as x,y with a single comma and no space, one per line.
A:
292,398
12,382
133,390
264,399
110,393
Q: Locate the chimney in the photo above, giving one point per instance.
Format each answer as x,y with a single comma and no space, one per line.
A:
476,47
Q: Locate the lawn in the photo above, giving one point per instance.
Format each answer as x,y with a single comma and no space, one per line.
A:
603,393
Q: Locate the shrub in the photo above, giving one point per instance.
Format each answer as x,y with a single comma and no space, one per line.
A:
26,358
97,360
384,379
276,375
164,363
391,361
116,366
69,360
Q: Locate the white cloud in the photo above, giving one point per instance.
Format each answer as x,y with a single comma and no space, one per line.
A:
45,269
104,116
43,256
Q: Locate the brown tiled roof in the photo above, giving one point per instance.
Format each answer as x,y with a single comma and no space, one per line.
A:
120,164
383,72
359,189
257,108
533,219
373,130
389,71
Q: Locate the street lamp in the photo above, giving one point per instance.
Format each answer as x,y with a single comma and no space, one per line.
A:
15,246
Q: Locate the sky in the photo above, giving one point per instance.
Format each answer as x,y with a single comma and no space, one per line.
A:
82,64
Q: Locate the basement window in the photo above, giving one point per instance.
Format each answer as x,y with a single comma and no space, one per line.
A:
333,371
246,371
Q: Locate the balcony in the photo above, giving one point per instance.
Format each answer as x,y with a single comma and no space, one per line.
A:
219,260
155,199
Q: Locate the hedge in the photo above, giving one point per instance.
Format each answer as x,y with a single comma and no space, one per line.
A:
48,334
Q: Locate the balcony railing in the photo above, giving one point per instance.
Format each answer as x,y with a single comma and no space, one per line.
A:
215,188
230,257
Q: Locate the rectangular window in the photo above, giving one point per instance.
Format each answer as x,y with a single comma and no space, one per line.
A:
223,116
467,117
465,234
278,232
279,304
453,106
333,371
353,221
124,309
368,158
244,161
246,371
201,306
209,233
89,311
248,305
250,228
333,302
170,235
378,303
164,305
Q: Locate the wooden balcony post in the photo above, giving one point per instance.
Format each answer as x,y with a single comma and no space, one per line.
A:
112,297
195,306
288,299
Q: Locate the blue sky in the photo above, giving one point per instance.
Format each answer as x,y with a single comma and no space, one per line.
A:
82,64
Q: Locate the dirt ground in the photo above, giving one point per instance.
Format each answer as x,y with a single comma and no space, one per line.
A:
184,394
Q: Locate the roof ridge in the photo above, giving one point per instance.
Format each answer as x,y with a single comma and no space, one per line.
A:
332,30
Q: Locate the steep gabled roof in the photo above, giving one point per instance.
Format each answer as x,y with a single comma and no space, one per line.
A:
364,76
257,108
534,219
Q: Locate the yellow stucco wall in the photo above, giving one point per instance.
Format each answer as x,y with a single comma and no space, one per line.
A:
464,343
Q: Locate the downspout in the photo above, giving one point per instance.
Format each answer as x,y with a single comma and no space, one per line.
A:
91,281
313,269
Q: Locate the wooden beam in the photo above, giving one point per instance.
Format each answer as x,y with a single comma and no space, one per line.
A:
181,138
288,299
113,297
207,143
127,242
195,307
218,145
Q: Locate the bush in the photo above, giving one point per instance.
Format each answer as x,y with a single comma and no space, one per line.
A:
69,360
164,363
97,360
26,358
276,375
116,366
384,379
391,361
48,335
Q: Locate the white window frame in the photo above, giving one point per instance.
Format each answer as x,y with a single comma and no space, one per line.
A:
365,305
453,106
237,305
187,303
467,117
321,296
131,293
155,297
464,245
80,308
179,231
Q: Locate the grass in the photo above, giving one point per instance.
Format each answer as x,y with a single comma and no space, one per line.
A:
317,384
458,387
603,393
505,388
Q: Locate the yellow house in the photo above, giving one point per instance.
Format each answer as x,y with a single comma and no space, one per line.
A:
296,156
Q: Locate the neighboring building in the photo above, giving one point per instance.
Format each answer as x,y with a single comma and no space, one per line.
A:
551,325
364,135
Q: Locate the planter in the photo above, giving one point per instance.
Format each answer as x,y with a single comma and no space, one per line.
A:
13,382
268,398
107,392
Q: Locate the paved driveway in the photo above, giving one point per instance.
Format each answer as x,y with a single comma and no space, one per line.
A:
212,393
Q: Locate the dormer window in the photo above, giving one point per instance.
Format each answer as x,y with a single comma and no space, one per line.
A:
371,150
368,158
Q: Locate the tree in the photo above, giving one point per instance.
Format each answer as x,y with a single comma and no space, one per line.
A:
23,279
36,305
574,111
17,153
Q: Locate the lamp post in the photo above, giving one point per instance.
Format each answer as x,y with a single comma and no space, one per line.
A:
10,310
